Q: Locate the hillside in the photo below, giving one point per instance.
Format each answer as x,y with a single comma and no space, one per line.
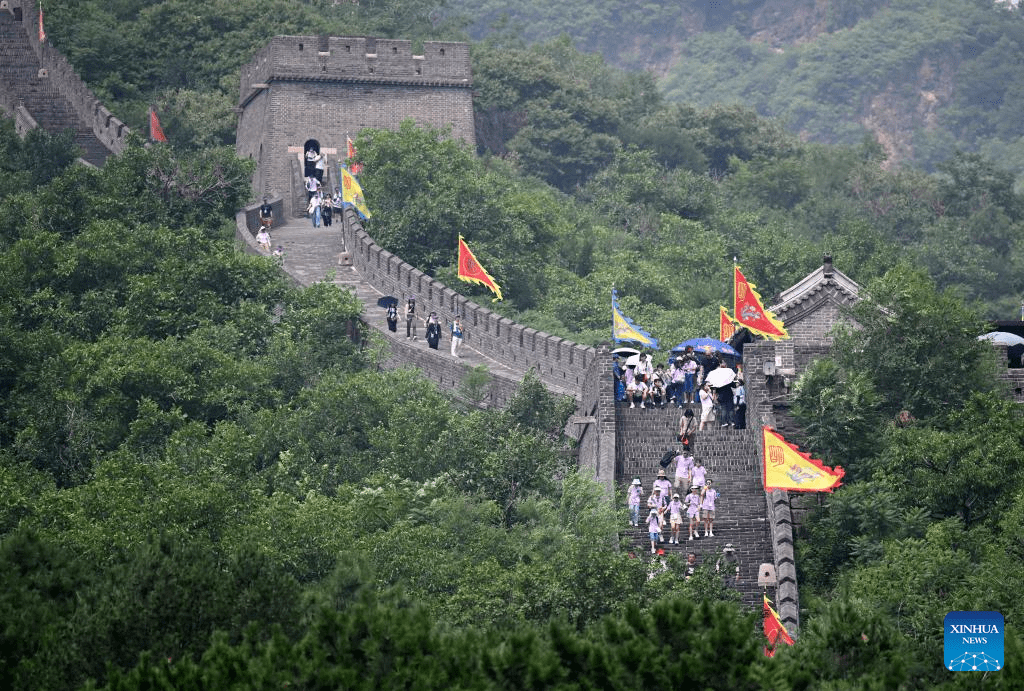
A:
925,78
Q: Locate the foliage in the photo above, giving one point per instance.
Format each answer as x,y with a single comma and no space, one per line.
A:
839,414
919,346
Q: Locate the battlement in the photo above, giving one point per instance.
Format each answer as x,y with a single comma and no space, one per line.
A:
356,59
55,70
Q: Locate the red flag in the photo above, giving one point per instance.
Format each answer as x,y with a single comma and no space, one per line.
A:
750,312
774,631
42,32
354,168
156,133
471,271
725,326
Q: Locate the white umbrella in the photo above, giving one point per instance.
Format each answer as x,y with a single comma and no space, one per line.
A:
633,360
1002,338
625,350
722,376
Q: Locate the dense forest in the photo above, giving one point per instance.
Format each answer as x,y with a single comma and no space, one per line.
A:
926,78
205,482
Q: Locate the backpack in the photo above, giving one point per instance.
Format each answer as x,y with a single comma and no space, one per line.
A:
667,457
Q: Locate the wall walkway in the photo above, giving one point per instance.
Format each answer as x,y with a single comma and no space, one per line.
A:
40,88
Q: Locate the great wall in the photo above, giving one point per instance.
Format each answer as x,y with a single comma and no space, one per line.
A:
302,88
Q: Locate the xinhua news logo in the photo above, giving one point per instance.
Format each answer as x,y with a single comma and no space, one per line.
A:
973,641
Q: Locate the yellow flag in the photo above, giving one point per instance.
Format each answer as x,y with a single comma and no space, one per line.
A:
789,469
352,193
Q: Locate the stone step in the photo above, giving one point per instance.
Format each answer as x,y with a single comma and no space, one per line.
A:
19,75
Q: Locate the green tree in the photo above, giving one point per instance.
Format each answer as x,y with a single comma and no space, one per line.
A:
918,345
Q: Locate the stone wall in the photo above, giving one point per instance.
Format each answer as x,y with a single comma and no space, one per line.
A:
328,88
110,131
563,366
594,424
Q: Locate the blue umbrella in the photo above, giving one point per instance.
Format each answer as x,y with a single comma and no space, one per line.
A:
707,345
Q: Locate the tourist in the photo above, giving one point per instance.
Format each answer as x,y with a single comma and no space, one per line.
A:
619,377
664,485
739,397
675,513
314,165
692,502
645,370
392,316
433,330
676,378
314,208
700,473
410,318
457,334
326,211
639,392
319,167
707,406
687,427
656,503
654,529
707,508
691,565
633,501
684,468
689,374
266,215
312,187
708,364
263,239
656,393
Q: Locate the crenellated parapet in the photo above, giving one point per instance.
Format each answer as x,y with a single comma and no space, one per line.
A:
357,60
562,365
55,69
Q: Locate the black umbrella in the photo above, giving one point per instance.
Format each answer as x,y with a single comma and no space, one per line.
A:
387,301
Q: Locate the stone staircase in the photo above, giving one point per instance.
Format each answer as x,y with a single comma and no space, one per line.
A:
733,463
19,76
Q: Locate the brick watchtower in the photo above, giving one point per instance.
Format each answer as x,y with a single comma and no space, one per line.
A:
324,88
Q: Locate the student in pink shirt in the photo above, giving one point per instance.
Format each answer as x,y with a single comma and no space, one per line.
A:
675,512
707,509
692,502
684,469
700,474
654,529
633,500
664,485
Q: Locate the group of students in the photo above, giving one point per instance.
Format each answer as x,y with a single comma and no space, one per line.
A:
699,502
432,325
684,383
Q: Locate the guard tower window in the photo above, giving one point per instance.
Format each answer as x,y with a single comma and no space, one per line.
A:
442,51
300,47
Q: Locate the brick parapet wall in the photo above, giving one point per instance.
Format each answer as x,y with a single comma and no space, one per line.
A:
110,131
1014,380
357,59
560,364
23,120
